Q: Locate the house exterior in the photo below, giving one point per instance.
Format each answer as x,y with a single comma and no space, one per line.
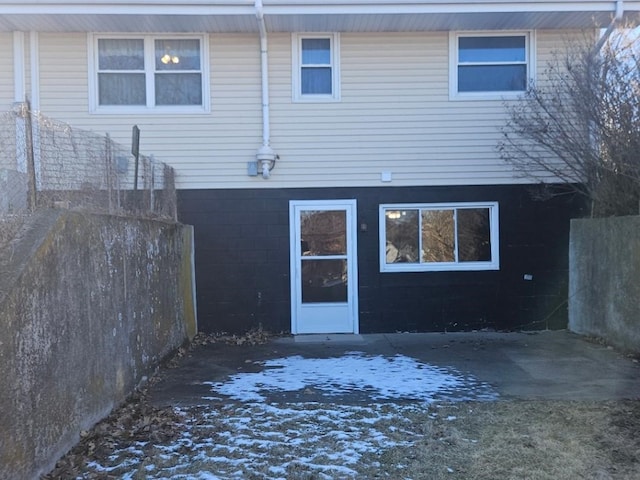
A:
337,159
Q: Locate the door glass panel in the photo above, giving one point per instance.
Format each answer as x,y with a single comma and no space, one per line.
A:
323,232
324,281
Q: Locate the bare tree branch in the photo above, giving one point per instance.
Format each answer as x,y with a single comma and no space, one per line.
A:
581,124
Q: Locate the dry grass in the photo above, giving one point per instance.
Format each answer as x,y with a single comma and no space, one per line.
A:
470,440
531,440
501,440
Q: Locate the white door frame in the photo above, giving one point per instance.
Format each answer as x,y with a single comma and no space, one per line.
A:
297,308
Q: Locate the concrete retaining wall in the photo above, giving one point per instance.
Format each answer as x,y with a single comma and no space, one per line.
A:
89,304
604,280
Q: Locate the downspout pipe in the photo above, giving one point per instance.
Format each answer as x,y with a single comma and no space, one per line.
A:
266,157
607,33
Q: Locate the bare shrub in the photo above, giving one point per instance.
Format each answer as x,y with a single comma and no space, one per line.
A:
581,123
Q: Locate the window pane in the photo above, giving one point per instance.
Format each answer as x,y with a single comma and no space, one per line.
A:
316,81
401,228
121,89
474,235
316,51
120,54
324,281
323,232
178,89
492,78
438,236
491,49
177,54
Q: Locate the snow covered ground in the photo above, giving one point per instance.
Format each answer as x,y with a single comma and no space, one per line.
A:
354,416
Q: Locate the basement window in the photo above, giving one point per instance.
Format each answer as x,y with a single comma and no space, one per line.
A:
439,237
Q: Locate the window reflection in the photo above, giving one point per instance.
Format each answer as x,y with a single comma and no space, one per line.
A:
402,236
432,235
438,236
323,232
324,281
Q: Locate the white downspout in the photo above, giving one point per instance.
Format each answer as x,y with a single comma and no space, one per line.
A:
19,80
265,157
607,33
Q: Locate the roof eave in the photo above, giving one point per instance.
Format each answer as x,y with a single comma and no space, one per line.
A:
304,15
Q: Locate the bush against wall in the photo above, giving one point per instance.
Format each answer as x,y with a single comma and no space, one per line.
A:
581,123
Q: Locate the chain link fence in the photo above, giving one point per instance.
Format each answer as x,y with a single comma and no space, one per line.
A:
47,163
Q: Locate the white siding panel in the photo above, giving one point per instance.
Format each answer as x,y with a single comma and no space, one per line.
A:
207,150
394,115
6,72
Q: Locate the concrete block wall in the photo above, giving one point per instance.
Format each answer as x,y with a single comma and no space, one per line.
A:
89,304
604,280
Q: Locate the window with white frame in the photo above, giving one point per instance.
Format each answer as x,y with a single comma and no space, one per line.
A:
439,236
316,71
148,72
490,64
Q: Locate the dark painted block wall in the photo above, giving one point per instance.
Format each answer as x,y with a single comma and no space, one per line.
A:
242,262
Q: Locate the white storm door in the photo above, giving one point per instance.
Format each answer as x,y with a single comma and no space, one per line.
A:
324,277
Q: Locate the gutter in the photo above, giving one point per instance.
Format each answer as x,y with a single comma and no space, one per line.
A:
265,157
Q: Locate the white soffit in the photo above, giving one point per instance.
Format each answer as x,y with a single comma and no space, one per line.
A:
303,15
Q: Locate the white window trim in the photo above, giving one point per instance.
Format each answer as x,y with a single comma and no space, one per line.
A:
96,108
531,59
296,64
494,227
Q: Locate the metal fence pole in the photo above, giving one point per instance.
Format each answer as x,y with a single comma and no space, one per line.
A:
30,157
109,170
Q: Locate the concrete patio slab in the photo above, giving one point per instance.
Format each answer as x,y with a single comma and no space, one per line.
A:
554,365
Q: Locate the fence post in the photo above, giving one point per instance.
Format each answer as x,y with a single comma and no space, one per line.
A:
135,151
32,199
109,170
152,185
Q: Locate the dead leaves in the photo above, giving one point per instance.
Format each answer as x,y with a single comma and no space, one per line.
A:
135,422
255,336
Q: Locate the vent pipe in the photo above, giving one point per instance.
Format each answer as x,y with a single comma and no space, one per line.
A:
265,157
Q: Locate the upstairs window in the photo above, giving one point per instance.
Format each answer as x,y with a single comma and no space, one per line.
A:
486,64
149,73
315,67
437,237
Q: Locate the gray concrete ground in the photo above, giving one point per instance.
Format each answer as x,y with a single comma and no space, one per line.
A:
555,365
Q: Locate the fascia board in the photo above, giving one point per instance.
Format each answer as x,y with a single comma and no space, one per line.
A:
303,7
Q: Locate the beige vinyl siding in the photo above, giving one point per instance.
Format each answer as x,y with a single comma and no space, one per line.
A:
6,72
394,115
206,149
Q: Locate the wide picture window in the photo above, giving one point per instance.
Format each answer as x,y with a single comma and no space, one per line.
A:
436,237
149,72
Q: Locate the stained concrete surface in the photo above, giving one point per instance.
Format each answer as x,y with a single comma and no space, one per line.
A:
554,365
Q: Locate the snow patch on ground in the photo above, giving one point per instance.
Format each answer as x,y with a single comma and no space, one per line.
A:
378,377
270,424
257,440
